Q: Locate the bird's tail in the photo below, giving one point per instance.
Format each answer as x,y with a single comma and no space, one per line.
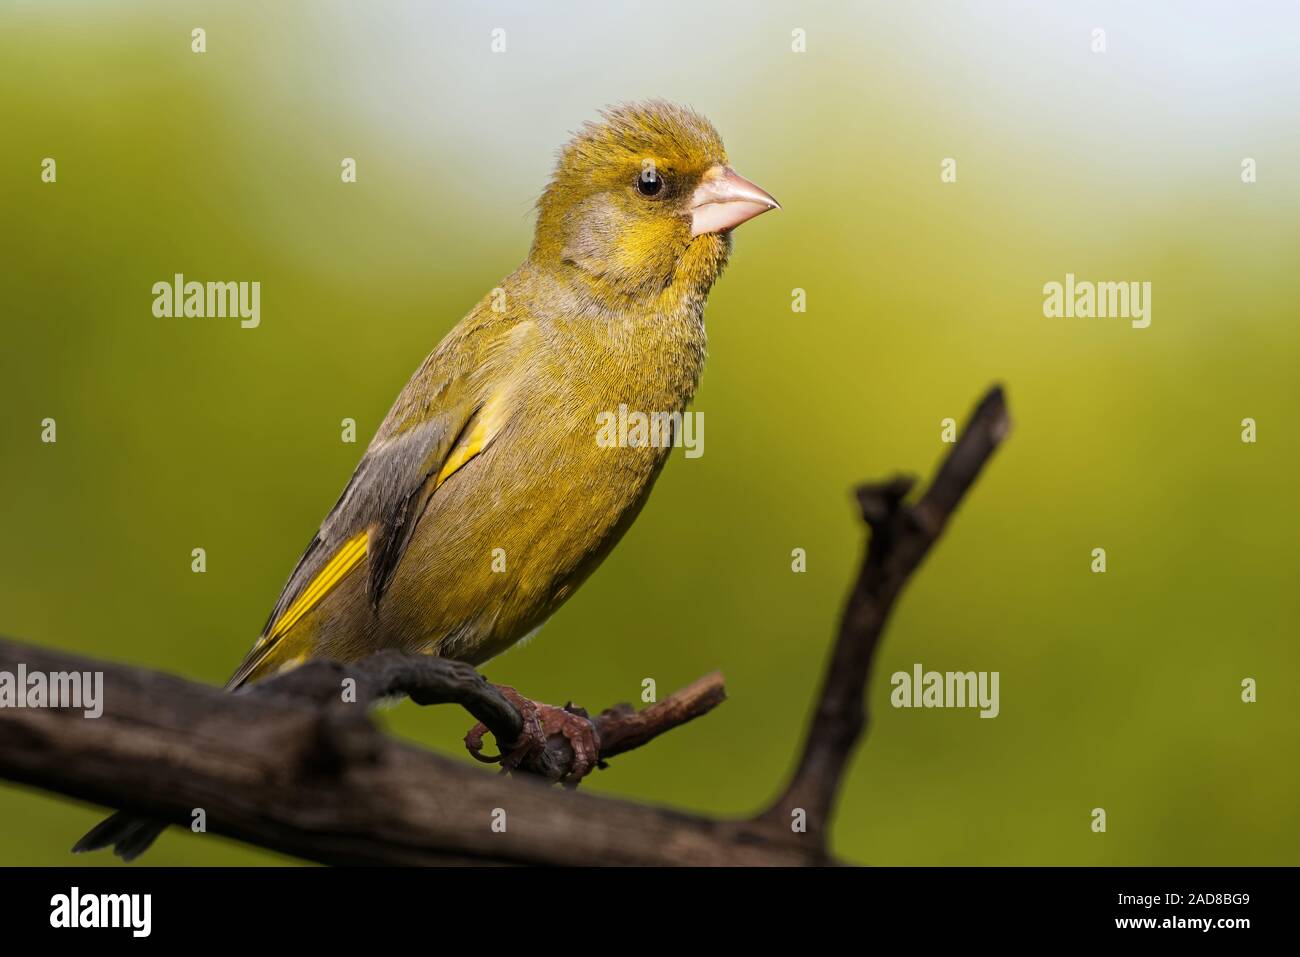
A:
128,836
132,836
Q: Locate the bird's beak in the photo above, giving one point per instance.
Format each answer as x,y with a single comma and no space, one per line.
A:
725,199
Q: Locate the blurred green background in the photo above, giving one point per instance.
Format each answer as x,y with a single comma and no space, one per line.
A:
1119,690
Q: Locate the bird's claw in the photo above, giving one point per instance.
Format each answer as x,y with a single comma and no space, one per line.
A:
529,740
573,724
541,721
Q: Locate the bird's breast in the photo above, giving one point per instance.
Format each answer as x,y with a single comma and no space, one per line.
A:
585,427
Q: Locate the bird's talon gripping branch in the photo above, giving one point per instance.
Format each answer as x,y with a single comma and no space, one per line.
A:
530,740
576,727
541,721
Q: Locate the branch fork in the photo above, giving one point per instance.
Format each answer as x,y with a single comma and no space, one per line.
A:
294,765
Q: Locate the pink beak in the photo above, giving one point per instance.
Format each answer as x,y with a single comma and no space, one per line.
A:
725,199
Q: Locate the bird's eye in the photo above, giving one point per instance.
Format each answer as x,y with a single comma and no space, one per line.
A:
649,183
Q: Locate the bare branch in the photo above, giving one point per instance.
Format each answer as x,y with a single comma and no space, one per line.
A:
427,680
621,729
281,771
900,537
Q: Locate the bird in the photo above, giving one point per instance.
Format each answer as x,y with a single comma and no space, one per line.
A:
484,499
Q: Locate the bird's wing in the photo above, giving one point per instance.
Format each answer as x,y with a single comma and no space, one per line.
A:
442,420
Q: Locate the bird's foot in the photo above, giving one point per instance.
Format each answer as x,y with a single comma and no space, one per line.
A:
541,722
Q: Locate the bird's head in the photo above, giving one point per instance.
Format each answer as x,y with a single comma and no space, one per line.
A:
643,202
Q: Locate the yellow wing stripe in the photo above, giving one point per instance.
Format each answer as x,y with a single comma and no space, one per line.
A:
471,447
346,559
486,425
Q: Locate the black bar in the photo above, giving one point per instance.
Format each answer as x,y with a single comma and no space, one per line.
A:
331,906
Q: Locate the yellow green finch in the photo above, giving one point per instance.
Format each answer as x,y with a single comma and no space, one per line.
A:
484,499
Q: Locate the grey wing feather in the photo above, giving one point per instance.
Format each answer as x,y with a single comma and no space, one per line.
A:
389,490
384,493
